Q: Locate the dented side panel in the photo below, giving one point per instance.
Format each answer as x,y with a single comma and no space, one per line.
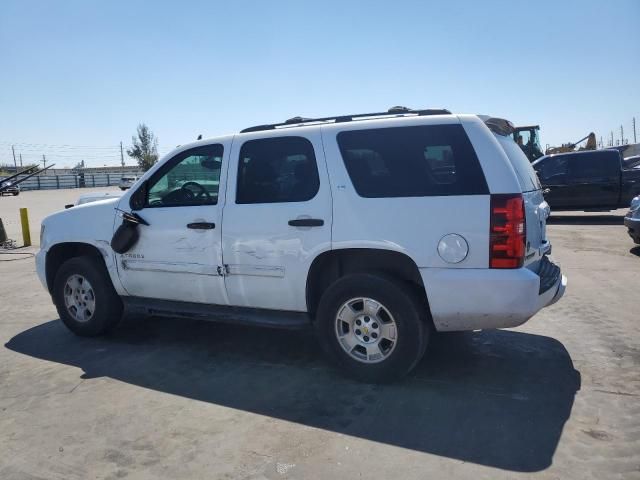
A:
91,224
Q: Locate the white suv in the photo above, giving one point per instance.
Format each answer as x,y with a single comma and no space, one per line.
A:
375,228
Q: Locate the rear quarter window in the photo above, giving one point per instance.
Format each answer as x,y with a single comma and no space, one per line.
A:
418,161
527,177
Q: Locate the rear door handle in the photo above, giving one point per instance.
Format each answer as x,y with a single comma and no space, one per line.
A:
306,222
201,226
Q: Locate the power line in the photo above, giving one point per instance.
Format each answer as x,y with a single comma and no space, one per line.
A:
51,145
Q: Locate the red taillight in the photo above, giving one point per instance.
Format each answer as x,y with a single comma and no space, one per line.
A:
508,231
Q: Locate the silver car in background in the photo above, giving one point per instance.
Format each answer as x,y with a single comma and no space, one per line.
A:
127,182
632,220
9,188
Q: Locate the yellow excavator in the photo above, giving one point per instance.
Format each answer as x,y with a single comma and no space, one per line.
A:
570,147
528,138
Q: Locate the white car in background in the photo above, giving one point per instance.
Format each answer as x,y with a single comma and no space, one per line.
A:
93,197
374,229
127,182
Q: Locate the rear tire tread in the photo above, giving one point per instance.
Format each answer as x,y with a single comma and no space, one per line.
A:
404,304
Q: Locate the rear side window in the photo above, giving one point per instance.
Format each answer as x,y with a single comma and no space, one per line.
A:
585,166
421,161
631,162
524,171
275,170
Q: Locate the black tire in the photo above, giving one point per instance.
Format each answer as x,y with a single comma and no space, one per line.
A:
404,305
15,194
108,305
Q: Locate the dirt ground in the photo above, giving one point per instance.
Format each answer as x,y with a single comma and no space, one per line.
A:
556,398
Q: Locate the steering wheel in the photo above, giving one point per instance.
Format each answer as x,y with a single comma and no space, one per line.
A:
190,195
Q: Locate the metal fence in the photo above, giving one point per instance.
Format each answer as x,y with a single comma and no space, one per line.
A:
52,182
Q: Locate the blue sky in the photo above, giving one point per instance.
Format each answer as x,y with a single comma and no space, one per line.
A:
85,73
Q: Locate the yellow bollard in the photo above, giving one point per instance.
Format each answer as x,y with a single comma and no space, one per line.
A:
24,220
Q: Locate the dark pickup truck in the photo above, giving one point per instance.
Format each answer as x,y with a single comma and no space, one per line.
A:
591,180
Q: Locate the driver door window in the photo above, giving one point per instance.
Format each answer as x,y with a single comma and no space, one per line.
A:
555,170
190,178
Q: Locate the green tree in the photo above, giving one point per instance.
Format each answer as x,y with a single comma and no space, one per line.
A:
144,148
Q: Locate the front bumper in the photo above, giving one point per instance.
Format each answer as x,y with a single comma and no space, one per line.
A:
41,259
476,299
633,228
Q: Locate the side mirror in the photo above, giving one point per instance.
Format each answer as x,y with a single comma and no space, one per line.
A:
68,205
139,197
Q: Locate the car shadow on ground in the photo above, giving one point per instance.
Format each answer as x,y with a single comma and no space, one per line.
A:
496,398
635,251
607,219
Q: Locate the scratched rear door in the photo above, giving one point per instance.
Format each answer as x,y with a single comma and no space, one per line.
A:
277,217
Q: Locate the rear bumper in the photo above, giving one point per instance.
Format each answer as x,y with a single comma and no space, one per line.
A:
475,299
633,227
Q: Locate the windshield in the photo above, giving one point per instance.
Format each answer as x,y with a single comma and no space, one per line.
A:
526,174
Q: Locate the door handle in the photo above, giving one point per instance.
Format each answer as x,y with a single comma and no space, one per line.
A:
201,226
306,222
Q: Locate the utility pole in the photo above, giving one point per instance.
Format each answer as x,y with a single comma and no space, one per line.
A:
634,131
20,160
13,150
44,160
121,155
612,138
621,135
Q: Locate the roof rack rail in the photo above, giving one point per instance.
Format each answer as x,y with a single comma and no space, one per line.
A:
301,121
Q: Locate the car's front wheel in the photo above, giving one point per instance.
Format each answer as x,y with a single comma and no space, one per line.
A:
85,298
373,327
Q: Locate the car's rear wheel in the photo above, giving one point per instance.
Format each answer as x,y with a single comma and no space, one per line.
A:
373,327
85,298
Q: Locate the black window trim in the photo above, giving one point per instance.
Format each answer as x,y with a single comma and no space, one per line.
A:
315,161
168,165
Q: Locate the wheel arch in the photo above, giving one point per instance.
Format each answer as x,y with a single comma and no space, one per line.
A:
331,265
61,252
